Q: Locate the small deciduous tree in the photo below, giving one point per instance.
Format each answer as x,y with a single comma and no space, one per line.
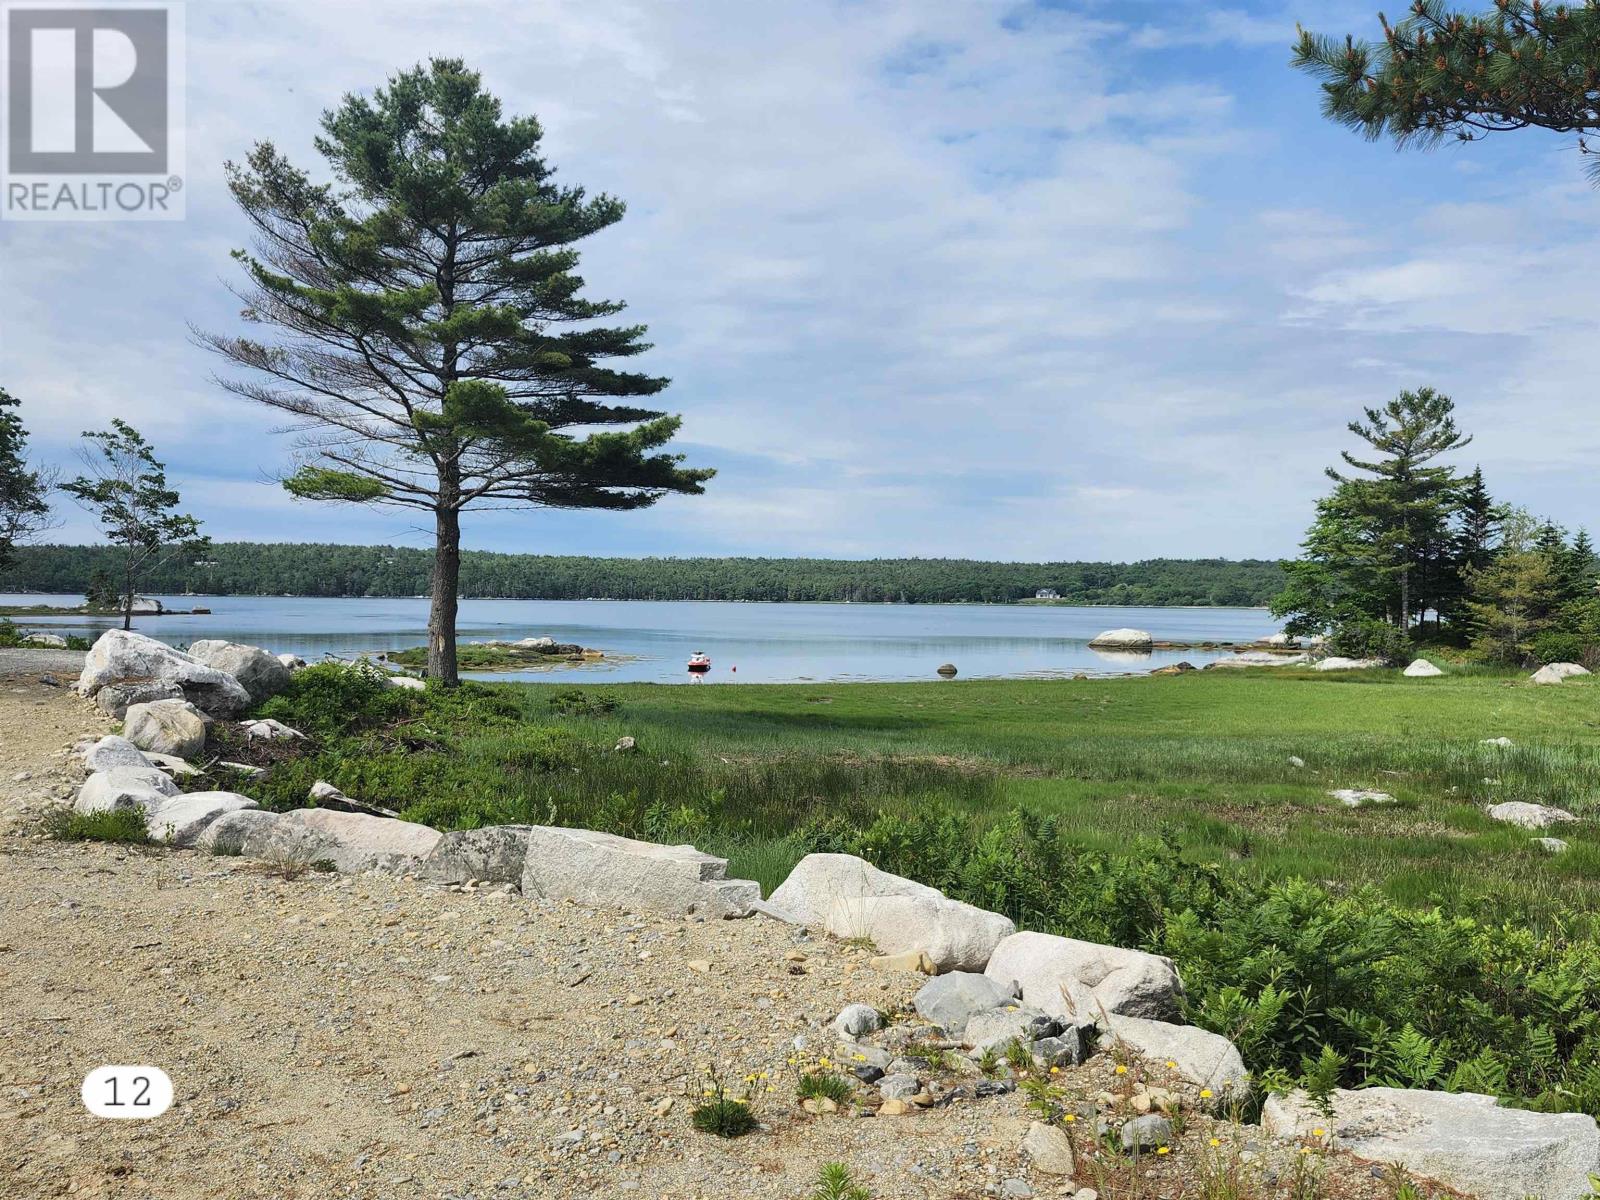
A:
434,343
126,490
1442,74
24,488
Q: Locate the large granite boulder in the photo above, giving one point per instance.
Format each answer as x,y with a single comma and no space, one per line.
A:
125,787
1464,1140
1528,816
1083,980
1207,1060
365,843
1557,672
604,870
181,820
819,879
262,675
954,936
122,657
1335,663
1422,669
1257,658
493,854
166,727
256,833
1122,639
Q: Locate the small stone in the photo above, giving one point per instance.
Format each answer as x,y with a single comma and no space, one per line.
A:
898,1087
793,956
894,1108
1016,1189
1296,761
907,960
634,1000
699,965
1550,845
1146,1133
663,1106
1049,1149
858,1020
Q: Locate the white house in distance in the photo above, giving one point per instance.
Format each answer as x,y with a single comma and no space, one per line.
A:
1047,594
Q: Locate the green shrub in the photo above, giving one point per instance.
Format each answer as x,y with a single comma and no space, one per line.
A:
125,825
335,698
1562,647
724,1117
575,702
1368,638
10,635
74,642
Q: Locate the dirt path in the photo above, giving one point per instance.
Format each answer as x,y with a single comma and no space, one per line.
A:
372,1037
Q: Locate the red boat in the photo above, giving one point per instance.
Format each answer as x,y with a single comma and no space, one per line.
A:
699,663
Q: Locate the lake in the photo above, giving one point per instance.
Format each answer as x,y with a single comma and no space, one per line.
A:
748,643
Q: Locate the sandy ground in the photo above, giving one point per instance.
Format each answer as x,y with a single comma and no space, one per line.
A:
373,1037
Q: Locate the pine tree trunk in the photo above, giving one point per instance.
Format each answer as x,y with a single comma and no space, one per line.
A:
446,587
127,599
1405,600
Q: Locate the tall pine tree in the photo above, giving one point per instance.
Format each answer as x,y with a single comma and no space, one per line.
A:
1404,500
24,507
433,339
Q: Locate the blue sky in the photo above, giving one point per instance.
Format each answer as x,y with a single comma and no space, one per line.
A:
1077,280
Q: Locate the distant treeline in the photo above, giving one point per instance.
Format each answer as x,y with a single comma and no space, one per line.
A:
270,569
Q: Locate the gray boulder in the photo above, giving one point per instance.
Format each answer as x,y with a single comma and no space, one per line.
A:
45,641
261,674
124,787
1528,816
1081,980
1203,1058
1464,1140
950,1001
1064,1049
1122,639
256,833
604,870
166,727
1146,1133
115,699
292,662
996,1029
181,820
493,854
111,752
122,657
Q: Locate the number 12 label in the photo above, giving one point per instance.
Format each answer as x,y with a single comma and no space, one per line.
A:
127,1093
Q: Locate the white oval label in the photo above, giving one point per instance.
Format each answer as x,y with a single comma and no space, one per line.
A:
127,1093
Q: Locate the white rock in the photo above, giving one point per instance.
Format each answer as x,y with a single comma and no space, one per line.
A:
857,1020
269,730
1529,816
819,879
1082,980
1336,663
1502,742
181,820
262,675
409,682
363,843
1122,639
1049,1149
493,854
120,656
293,662
1296,761
166,727
1422,669
45,641
171,764
956,936
1360,798
124,787
1551,845
111,752
1205,1059
1464,1140
604,870
1556,672
1282,639
1257,658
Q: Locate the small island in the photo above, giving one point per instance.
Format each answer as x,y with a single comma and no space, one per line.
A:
524,655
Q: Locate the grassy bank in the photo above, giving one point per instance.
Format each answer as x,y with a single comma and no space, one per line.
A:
1421,943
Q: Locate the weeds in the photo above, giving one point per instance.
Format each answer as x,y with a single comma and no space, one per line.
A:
121,825
834,1183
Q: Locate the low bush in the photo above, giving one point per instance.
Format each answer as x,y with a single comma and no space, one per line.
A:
1367,638
1562,647
10,635
124,825
723,1117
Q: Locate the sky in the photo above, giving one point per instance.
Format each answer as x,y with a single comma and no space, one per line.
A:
1074,280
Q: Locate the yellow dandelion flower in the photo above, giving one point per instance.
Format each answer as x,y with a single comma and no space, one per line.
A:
1305,1149
1055,1070
1171,1066
1163,1149
1205,1093
859,1057
1216,1141
1070,1118
1121,1070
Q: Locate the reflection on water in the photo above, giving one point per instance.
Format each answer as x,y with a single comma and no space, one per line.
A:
749,643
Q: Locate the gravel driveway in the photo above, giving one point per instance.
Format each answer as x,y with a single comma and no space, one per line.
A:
65,663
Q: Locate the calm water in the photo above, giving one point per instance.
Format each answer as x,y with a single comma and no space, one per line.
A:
748,643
